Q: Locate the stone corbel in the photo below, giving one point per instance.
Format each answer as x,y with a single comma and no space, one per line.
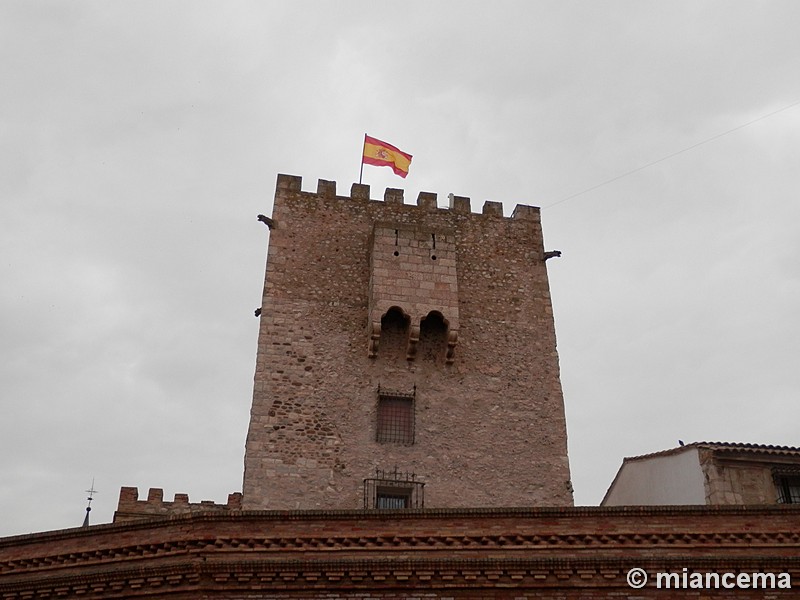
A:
452,340
374,339
413,338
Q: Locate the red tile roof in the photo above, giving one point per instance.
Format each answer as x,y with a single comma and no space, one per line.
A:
724,446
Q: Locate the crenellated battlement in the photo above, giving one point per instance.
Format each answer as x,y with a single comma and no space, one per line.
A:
425,200
130,508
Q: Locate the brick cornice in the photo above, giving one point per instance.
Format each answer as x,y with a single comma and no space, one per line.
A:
419,514
326,545
209,575
258,535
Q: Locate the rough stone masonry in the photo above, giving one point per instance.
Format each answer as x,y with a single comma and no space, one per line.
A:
406,357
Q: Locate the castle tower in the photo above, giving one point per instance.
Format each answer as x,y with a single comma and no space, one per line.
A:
406,357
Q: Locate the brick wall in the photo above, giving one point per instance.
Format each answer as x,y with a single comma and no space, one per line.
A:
562,553
488,406
130,508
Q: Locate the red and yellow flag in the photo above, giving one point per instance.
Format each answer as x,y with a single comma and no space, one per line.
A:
381,154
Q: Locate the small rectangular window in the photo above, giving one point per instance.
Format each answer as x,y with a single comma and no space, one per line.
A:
393,490
395,419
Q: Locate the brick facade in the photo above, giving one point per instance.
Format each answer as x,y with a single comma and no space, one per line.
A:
448,308
130,508
554,553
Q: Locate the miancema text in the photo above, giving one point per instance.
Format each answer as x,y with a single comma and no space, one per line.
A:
713,581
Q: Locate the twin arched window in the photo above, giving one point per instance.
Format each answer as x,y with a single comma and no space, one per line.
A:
400,339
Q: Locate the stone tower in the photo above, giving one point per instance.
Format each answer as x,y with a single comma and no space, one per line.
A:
406,357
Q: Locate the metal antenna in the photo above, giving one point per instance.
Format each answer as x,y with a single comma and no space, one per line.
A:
91,491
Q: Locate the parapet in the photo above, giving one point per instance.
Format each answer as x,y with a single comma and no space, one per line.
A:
425,200
130,508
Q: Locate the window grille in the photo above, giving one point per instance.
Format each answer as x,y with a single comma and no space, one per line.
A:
395,418
788,487
393,490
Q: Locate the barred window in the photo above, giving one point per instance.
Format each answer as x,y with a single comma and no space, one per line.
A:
395,419
393,490
788,488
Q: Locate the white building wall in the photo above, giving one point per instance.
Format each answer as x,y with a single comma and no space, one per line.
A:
668,479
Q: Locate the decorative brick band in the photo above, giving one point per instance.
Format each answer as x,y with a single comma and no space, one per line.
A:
205,574
385,533
655,542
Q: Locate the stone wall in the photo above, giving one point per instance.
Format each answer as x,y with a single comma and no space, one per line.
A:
733,477
489,424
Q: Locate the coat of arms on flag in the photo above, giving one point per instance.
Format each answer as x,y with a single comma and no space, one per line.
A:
381,154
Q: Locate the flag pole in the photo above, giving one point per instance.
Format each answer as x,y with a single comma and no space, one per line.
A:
364,147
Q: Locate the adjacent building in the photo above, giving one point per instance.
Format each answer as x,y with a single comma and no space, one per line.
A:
709,473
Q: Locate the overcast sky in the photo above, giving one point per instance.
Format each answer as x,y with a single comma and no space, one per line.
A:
139,140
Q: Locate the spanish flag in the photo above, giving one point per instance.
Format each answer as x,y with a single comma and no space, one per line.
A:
381,154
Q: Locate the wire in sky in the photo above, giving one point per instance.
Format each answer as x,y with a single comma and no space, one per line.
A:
663,158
